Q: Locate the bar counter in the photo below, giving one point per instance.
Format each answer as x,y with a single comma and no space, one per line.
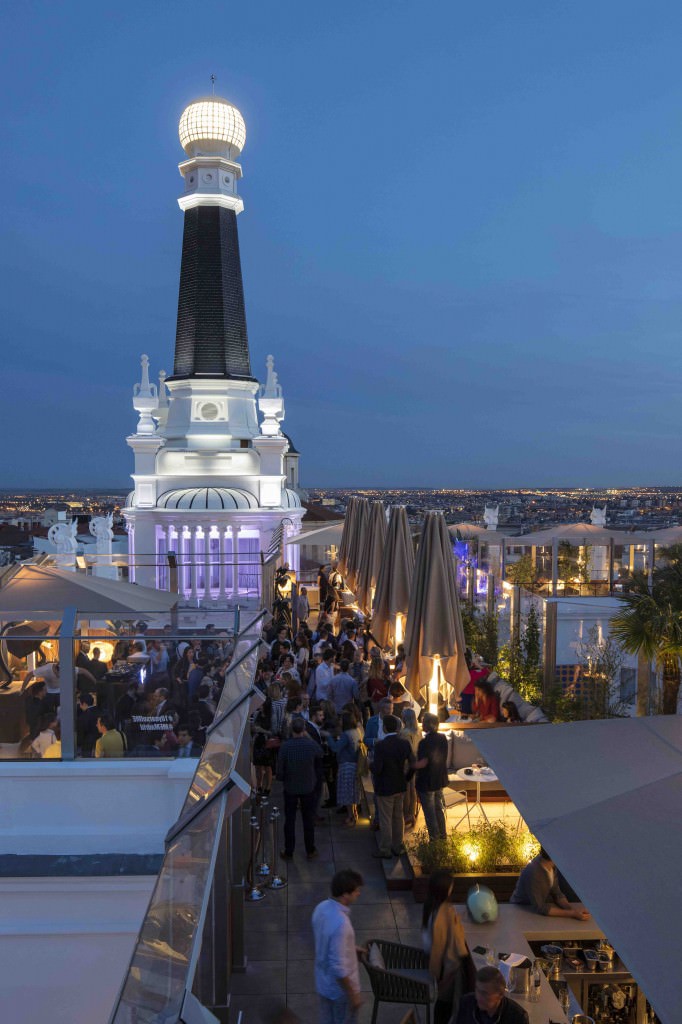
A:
515,926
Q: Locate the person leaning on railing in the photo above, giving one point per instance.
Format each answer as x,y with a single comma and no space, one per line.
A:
538,887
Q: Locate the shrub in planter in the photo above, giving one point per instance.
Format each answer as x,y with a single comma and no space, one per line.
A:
486,848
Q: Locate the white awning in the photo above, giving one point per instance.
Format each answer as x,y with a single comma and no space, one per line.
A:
605,799
35,589
323,537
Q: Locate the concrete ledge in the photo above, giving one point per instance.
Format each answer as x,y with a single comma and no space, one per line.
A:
91,807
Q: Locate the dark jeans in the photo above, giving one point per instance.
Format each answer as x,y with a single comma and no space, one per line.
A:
307,802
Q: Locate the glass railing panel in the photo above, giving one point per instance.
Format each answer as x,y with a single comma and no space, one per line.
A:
239,678
218,756
163,962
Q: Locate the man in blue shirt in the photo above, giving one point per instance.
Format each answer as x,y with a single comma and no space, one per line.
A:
337,976
343,689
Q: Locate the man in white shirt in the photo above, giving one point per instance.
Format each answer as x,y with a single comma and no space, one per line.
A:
337,977
50,673
323,676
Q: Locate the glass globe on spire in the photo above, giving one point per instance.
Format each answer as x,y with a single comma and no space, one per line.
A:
212,125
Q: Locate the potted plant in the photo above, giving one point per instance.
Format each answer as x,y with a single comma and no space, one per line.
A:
490,853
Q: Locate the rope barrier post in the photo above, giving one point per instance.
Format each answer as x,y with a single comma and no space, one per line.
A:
277,881
254,893
264,867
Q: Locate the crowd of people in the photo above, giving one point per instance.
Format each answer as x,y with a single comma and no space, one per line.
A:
155,698
333,685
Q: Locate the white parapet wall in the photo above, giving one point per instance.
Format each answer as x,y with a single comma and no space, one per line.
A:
91,806
65,942
65,945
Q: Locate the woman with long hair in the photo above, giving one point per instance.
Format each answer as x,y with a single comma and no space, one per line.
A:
377,680
264,757
486,702
346,746
302,655
510,713
445,944
413,734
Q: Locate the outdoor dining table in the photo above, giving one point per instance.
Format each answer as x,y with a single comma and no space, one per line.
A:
477,775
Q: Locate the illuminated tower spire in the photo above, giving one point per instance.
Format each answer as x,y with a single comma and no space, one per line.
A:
211,338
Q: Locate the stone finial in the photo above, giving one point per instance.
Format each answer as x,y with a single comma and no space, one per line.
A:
145,400
271,401
163,393
272,387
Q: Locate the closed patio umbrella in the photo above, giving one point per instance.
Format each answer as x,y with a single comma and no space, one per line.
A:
357,540
371,556
435,635
392,593
344,546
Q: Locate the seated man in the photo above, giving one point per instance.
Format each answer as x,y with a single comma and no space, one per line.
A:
538,888
488,1004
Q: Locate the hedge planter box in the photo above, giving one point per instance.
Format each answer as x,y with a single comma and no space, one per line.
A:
502,884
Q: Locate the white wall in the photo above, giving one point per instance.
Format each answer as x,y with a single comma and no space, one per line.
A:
65,944
576,616
90,806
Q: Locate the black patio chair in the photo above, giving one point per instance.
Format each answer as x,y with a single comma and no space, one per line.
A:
404,978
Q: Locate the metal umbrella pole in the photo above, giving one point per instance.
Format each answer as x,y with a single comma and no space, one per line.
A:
277,881
264,867
254,892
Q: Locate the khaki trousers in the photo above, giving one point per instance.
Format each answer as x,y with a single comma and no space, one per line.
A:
391,823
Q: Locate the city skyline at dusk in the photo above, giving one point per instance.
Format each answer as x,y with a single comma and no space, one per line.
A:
461,243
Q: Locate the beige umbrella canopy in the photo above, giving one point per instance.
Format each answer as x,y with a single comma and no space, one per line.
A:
392,593
607,806
371,556
434,620
357,540
344,547
35,589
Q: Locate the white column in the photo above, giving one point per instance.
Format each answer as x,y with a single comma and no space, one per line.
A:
194,571
207,563
175,545
222,558
236,527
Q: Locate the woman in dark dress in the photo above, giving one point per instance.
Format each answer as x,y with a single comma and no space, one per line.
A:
264,756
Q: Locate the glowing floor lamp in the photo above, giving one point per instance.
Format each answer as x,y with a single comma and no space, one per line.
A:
434,685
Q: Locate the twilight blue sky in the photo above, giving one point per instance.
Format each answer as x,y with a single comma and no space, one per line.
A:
462,237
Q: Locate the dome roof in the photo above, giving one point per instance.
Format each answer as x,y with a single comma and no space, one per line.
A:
201,499
211,124
290,499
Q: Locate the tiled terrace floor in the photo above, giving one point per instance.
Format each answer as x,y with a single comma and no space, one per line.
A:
279,942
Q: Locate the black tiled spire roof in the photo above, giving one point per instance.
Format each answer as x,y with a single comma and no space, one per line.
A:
211,339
